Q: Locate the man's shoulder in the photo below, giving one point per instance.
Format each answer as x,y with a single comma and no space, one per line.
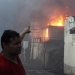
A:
1,58
2,61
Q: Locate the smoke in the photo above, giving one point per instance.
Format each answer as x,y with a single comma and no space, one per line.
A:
17,14
41,11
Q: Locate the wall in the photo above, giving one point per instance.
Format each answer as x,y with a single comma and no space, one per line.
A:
69,49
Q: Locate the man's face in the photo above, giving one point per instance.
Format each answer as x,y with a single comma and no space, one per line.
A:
14,47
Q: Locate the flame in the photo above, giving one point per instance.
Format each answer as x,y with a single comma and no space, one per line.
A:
46,32
45,35
56,21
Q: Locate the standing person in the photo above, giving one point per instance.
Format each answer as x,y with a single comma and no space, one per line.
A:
10,63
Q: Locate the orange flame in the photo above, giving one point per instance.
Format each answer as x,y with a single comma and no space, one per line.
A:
46,33
56,21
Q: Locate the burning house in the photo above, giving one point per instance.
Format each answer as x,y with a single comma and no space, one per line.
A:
47,46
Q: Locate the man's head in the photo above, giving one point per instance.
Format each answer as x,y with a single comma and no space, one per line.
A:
11,42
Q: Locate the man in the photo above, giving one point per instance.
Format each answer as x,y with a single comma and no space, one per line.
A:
10,63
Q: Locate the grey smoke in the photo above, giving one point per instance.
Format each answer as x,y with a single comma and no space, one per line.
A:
17,14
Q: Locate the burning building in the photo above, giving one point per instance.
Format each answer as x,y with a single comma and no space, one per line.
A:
47,46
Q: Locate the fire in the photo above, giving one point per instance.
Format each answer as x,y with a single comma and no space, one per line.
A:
56,21
46,33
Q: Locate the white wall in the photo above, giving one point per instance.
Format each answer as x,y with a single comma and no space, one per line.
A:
69,50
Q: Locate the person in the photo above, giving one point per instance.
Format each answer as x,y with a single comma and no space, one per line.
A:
10,63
